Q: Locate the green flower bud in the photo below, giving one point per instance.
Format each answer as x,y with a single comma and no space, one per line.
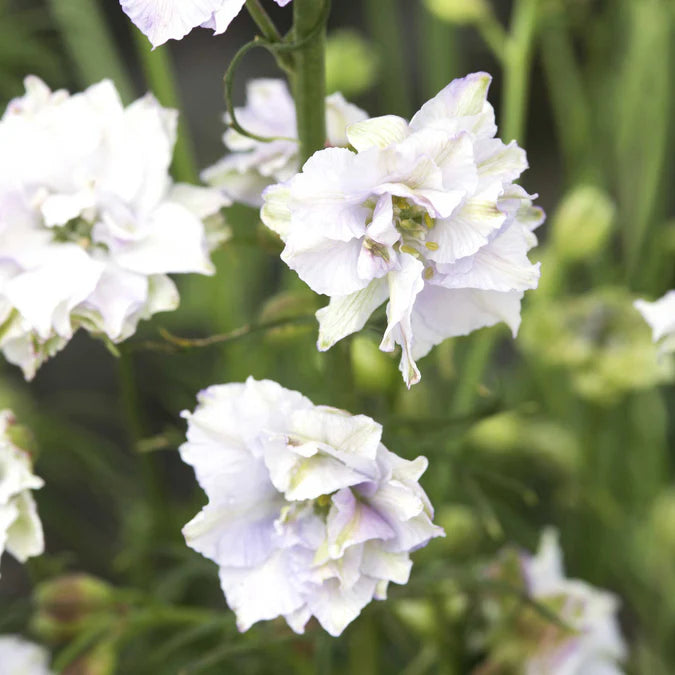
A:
352,63
65,605
374,371
459,11
582,224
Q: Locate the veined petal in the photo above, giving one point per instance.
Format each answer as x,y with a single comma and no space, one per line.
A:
163,20
345,315
377,132
404,286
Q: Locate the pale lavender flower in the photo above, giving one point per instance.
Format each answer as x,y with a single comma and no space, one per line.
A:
308,513
90,220
163,20
660,315
424,214
21,657
254,165
586,640
20,527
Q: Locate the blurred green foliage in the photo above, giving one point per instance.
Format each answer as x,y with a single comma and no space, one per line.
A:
571,425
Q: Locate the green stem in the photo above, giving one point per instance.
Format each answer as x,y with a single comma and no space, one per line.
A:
438,52
517,69
90,45
517,66
384,23
270,32
263,20
159,76
310,75
571,107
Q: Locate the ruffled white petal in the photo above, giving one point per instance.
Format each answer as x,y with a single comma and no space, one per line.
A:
308,513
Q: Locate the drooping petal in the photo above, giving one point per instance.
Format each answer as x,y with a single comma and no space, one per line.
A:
345,315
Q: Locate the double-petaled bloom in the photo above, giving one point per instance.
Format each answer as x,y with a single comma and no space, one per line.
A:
20,527
90,220
253,165
163,20
308,513
660,315
21,657
585,637
423,214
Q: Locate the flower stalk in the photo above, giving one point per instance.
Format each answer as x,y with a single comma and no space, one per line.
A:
309,30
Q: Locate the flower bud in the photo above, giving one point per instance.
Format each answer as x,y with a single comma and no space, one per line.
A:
66,605
582,224
351,63
459,11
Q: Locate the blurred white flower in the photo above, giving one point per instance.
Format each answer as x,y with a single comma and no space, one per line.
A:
90,221
587,640
253,165
163,20
308,513
21,657
424,214
20,527
660,315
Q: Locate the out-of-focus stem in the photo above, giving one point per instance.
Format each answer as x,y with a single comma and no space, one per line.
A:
571,108
310,75
517,68
161,81
90,45
438,52
384,22
517,63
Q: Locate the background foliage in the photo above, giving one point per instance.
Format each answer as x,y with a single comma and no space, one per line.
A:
568,425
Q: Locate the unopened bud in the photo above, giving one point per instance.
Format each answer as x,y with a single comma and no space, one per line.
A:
459,11
582,224
66,604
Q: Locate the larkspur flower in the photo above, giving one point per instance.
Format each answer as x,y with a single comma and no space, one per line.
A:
21,657
90,221
308,513
253,165
20,527
163,20
424,214
586,638
660,315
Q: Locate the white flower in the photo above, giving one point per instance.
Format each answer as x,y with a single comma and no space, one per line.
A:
253,165
21,657
594,644
660,315
424,214
163,20
90,221
20,527
308,513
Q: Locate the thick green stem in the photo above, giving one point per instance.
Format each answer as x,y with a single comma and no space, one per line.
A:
160,78
384,23
517,68
517,63
310,75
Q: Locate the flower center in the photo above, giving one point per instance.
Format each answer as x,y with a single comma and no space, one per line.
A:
414,223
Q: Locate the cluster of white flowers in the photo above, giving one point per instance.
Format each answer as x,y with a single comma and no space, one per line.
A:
308,513
590,641
21,657
20,527
163,20
424,214
253,165
90,221
660,315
